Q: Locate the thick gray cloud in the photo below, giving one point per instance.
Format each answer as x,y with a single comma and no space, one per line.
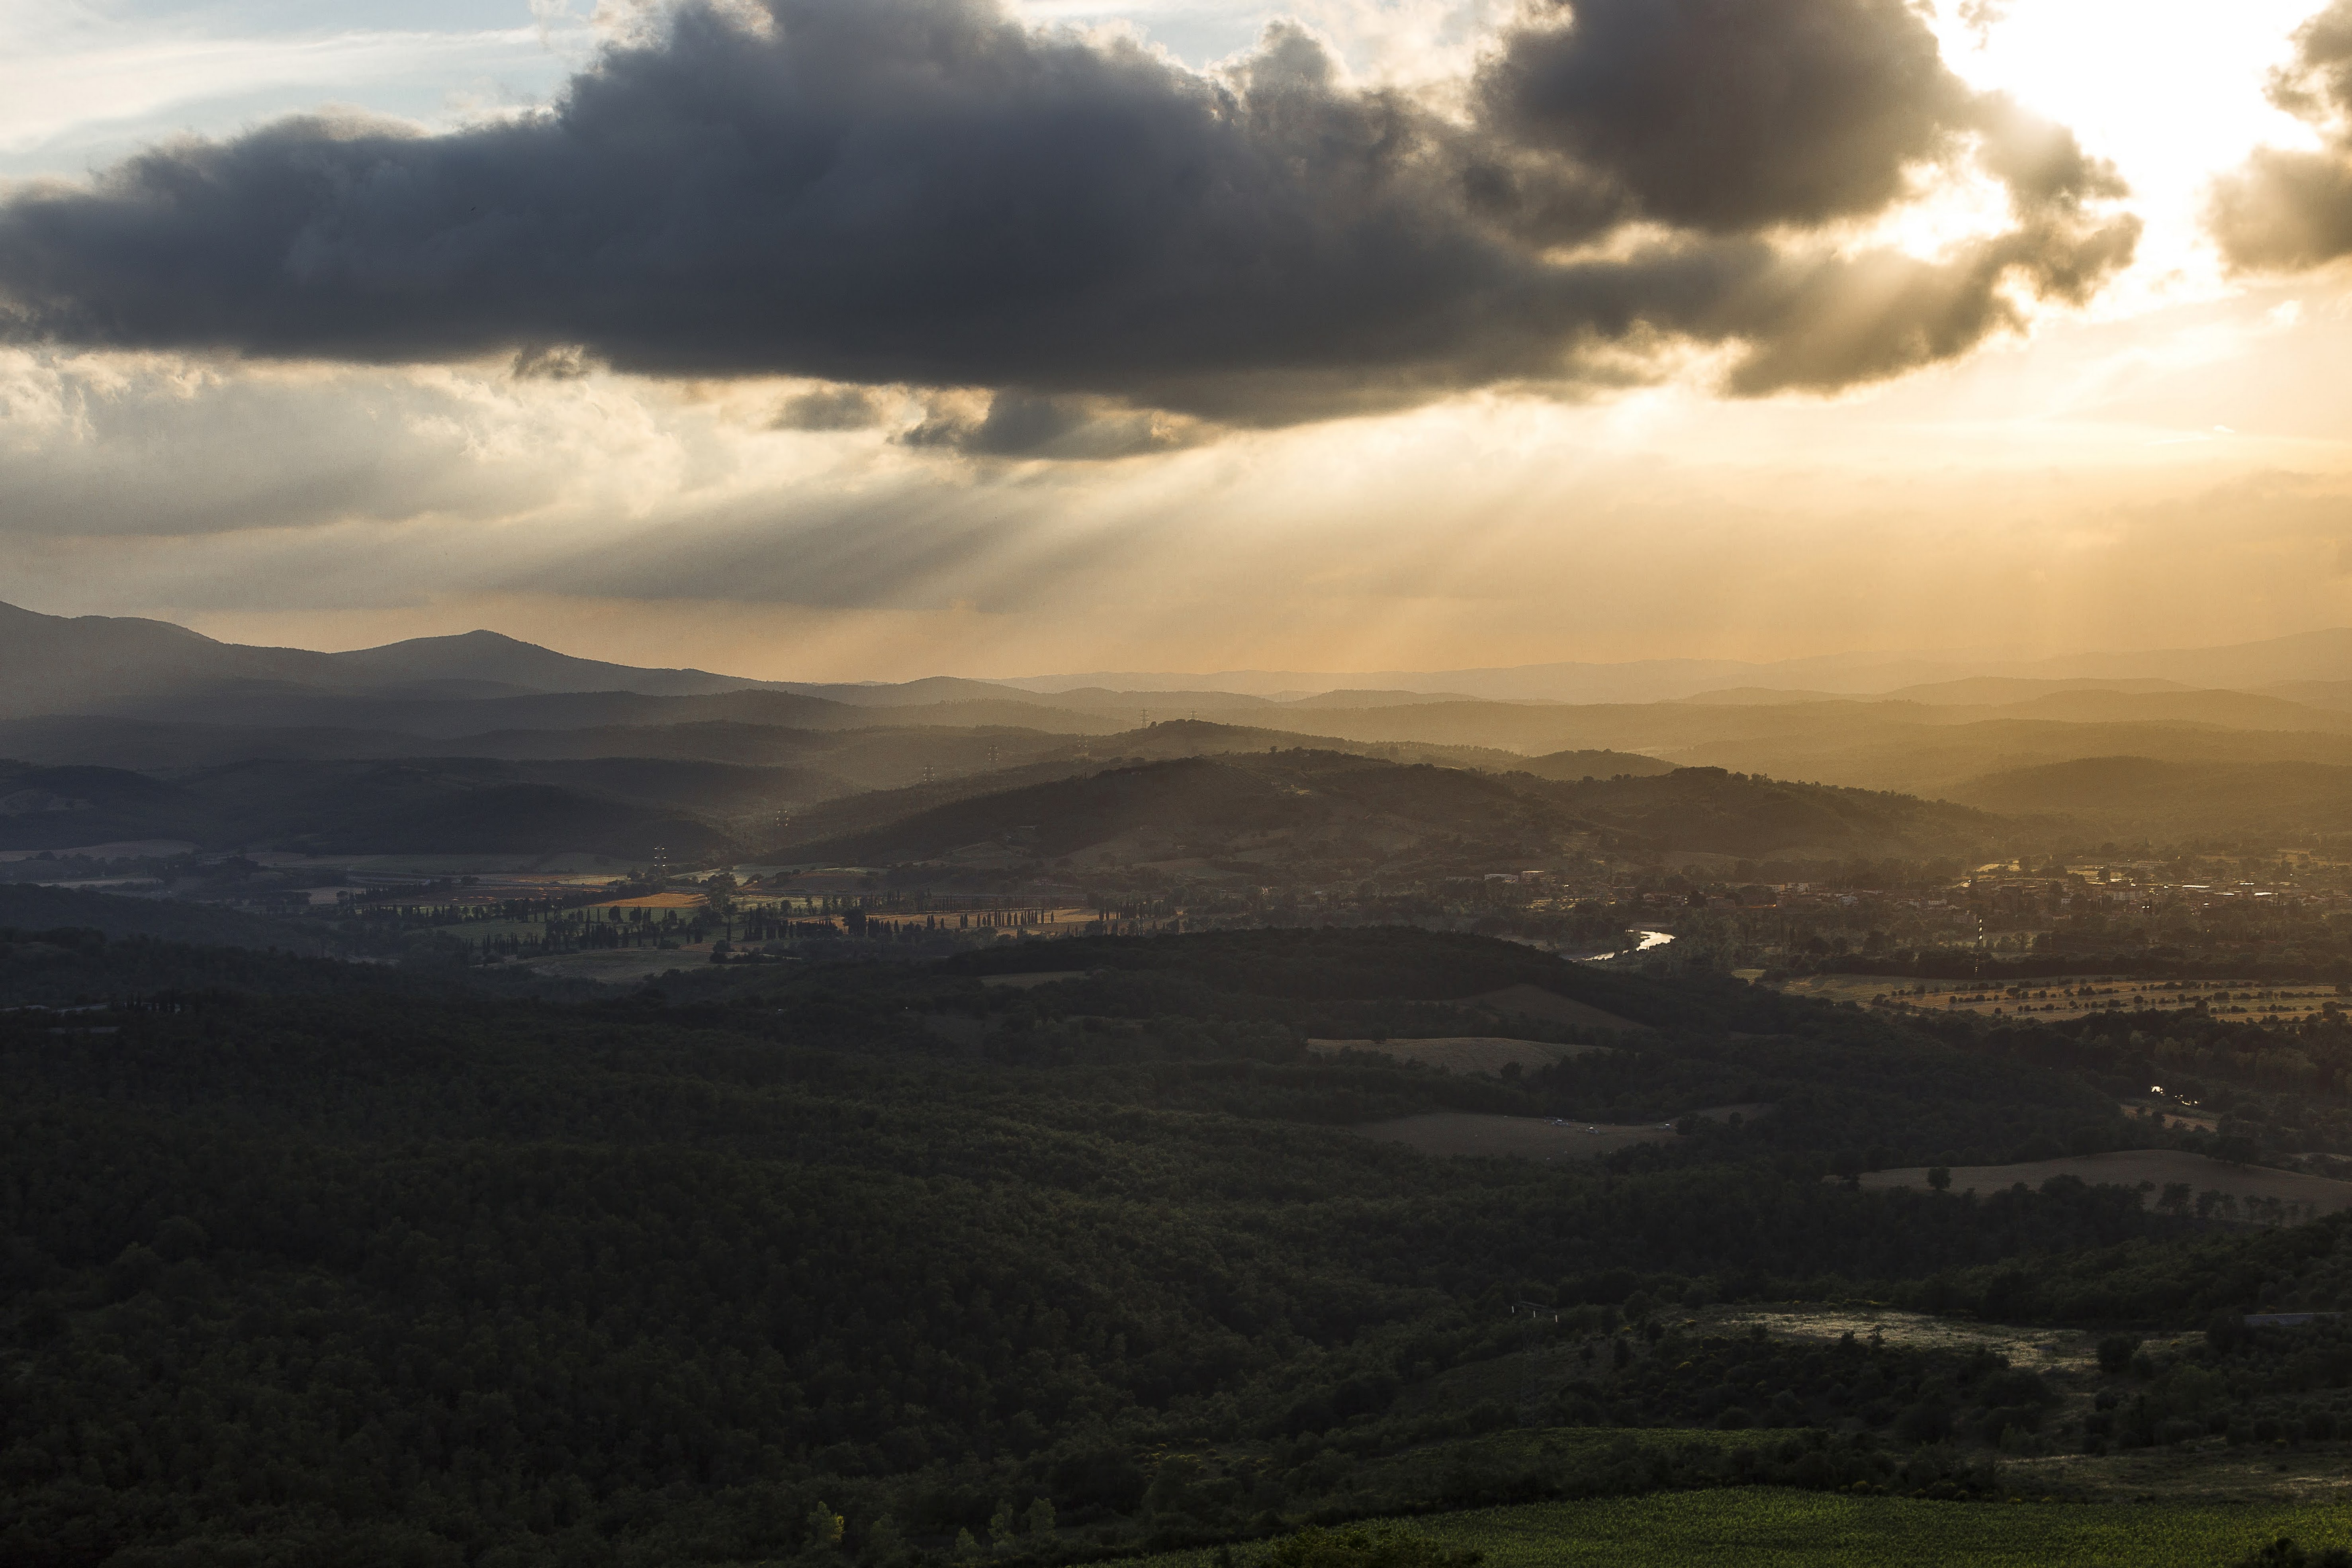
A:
1730,115
1017,423
924,193
2285,210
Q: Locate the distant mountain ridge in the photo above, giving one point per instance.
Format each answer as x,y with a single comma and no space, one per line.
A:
55,664
128,693
2316,655
58,664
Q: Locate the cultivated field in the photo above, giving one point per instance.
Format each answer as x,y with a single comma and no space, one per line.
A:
656,901
1460,1053
1533,1137
2152,1168
620,966
1535,1001
1757,1527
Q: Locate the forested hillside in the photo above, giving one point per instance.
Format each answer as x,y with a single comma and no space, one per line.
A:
354,1274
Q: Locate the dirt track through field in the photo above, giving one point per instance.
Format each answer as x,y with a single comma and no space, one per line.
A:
1029,981
1534,1137
1460,1053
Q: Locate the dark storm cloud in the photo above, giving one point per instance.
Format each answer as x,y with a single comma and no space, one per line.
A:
1729,115
923,192
2289,210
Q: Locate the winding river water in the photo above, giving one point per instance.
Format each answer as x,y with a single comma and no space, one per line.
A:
1649,939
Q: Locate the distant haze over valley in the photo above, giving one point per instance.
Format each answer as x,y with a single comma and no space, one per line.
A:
1924,676
62,664
131,730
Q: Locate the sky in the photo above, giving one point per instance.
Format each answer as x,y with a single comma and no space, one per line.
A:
872,339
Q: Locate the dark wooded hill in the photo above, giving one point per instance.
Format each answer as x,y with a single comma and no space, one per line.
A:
25,908
1310,806
623,806
2144,795
312,1266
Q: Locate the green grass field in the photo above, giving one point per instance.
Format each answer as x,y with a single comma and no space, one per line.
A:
1754,1527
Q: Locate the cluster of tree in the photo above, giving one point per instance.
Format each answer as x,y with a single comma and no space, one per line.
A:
2185,1276
1565,1462
2247,1383
1920,1395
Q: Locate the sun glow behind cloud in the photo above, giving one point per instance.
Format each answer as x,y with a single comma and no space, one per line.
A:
2072,489
2172,92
